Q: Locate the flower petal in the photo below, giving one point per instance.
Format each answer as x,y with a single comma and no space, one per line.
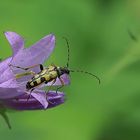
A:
21,102
3,68
43,48
36,54
41,97
4,64
15,40
6,93
6,75
11,83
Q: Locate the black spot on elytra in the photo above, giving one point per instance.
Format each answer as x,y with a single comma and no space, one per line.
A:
35,83
42,79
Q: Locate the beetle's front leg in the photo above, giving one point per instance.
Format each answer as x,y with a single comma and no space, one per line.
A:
62,84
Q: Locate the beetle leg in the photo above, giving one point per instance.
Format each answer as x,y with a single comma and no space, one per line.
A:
24,74
28,72
51,85
62,84
30,94
27,68
49,90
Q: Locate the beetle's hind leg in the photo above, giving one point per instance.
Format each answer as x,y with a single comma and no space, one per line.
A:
27,68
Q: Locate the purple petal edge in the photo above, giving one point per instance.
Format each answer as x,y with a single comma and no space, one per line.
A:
22,104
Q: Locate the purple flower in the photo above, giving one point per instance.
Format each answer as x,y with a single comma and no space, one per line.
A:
10,87
13,94
21,102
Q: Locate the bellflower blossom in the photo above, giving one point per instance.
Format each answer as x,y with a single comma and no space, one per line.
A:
13,93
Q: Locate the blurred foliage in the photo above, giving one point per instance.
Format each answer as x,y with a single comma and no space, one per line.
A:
100,42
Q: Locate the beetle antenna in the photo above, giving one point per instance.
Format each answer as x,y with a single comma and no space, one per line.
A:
87,73
67,65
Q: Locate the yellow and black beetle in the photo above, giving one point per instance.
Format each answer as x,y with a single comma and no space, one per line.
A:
49,74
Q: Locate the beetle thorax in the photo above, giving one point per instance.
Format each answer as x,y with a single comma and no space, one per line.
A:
62,70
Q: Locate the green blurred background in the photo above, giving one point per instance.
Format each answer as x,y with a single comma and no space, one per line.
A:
98,34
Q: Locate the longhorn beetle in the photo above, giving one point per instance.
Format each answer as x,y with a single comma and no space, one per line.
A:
49,74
